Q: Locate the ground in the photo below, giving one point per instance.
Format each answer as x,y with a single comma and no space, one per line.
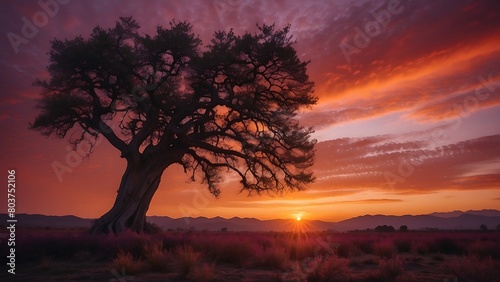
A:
74,255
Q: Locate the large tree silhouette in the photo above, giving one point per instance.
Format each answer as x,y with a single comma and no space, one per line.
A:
165,99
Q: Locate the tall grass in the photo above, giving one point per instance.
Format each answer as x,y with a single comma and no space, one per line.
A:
157,257
194,255
473,268
187,259
331,268
125,260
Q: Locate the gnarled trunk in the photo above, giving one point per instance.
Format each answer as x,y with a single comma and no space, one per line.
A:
138,185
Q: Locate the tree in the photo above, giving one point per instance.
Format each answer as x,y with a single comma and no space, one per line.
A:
403,228
162,100
384,228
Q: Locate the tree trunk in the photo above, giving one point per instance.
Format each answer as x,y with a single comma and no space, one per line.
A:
138,185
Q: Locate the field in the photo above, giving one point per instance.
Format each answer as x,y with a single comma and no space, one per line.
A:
73,255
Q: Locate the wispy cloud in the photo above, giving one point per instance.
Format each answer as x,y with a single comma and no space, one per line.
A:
385,163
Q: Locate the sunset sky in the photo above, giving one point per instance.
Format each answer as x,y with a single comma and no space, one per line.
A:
408,118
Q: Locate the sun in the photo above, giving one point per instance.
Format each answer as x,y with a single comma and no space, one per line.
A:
298,218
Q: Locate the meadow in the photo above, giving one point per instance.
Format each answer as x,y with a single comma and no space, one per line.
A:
74,255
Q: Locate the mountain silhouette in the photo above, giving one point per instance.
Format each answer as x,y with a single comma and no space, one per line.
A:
455,220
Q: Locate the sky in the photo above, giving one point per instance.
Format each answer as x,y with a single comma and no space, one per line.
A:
407,120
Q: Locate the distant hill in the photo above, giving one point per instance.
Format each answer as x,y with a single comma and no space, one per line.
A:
417,222
40,220
455,220
458,213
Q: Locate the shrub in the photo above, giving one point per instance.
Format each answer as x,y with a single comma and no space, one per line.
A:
384,249
385,228
389,269
485,249
275,257
205,273
344,250
420,248
403,245
187,258
300,250
157,257
365,245
331,268
126,261
152,228
473,268
234,250
447,246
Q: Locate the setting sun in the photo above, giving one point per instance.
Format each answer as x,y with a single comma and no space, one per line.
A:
298,218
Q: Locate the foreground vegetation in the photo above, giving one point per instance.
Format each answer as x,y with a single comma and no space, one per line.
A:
73,255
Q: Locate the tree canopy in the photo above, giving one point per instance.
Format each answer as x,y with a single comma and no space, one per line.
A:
165,98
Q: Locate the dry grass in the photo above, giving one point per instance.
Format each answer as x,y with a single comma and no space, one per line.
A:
202,256
331,268
388,270
275,258
204,273
385,249
125,260
158,258
473,268
187,259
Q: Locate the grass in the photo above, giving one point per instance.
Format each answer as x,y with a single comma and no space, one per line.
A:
233,256
158,258
473,268
126,261
331,268
204,273
187,259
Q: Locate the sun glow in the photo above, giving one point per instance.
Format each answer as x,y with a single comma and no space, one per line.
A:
298,218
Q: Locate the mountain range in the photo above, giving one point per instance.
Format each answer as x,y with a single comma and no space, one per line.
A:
455,220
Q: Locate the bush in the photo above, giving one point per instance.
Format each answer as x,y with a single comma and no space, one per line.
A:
420,248
233,250
332,268
365,245
473,268
275,257
303,249
384,249
485,249
157,257
205,273
448,246
385,228
403,245
152,228
126,261
187,259
389,269
344,250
